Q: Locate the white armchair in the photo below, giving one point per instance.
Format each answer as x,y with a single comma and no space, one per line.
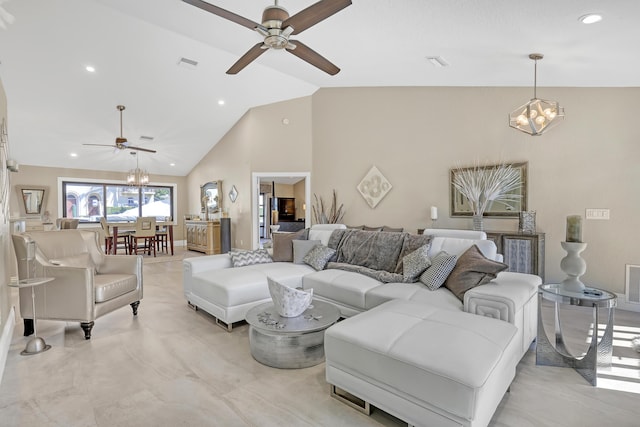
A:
87,283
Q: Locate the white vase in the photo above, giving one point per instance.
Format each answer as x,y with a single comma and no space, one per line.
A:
289,302
573,265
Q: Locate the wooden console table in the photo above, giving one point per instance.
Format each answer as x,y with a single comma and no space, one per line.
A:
523,252
210,237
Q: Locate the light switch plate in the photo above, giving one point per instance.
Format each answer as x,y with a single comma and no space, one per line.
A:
597,214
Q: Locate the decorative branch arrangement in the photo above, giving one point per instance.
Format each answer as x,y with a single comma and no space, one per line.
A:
333,216
483,186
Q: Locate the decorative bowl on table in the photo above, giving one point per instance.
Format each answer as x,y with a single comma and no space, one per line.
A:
289,302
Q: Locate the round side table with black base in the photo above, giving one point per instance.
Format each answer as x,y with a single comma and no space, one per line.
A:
36,344
599,352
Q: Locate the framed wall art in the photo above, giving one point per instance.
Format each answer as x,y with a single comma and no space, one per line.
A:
461,207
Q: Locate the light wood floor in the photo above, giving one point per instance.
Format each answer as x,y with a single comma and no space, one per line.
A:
171,366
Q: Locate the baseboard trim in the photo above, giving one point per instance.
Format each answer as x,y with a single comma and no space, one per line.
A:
5,339
624,305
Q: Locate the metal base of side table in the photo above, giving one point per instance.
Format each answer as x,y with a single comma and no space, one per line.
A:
34,346
599,353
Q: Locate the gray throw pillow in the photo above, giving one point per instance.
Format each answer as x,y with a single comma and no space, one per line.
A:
301,248
441,265
415,263
410,243
282,247
319,256
472,269
242,258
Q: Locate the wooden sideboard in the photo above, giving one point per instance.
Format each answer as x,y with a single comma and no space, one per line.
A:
210,237
523,252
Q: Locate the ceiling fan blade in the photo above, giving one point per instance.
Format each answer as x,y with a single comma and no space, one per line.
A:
314,14
100,145
223,13
247,58
130,147
305,53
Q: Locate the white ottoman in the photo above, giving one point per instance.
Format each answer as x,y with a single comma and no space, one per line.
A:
424,365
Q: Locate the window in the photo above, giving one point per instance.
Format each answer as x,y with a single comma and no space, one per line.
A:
88,201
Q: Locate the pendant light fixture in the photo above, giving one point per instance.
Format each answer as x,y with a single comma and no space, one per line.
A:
538,115
137,177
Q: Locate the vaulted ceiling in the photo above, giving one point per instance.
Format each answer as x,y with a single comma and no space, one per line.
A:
55,105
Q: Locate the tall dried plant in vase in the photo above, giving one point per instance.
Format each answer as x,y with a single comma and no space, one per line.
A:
483,186
333,216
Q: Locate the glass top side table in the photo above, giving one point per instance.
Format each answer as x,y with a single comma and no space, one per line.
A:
36,344
599,352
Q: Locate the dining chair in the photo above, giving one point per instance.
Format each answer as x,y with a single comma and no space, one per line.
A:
123,238
162,236
145,231
67,223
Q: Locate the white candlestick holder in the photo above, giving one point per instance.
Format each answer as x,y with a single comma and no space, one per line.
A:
573,265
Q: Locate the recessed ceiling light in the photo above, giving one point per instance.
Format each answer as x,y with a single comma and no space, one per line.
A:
74,154
90,69
221,102
590,18
172,164
285,121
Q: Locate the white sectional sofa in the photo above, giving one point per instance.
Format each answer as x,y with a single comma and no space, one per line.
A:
211,283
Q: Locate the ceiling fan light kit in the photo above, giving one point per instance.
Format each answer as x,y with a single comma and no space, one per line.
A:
276,28
538,115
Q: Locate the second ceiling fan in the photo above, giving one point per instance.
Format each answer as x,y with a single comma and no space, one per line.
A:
121,141
276,28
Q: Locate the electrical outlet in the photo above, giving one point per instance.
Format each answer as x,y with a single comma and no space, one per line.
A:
597,214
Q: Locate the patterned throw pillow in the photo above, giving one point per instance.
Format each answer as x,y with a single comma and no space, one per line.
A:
301,248
242,258
414,264
319,256
441,265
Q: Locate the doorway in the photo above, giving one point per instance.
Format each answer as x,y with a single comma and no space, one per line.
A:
265,201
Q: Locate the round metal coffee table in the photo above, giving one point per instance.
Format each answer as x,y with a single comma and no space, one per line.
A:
290,342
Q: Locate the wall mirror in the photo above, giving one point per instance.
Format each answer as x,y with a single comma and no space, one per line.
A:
211,196
32,199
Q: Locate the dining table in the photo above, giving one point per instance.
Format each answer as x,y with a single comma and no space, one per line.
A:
131,225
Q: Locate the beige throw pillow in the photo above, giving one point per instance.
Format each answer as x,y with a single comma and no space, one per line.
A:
283,247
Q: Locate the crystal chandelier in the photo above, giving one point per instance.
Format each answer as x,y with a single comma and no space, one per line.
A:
538,115
137,177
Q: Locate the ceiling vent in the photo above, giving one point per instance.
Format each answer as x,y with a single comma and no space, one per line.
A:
437,61
187,63
146,138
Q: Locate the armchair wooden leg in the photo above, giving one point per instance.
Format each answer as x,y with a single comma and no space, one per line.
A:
28,327
134,307
86,327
